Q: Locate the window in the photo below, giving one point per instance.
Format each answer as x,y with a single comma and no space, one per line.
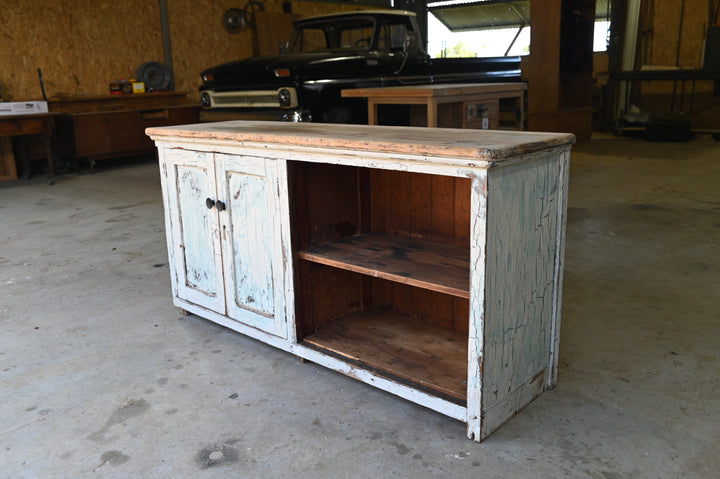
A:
489,28
479,43
356,37
601,35
309,40
391,37
333,34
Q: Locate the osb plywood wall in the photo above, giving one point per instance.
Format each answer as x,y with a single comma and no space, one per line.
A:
667,34
83,45
674,36
664,36
80,45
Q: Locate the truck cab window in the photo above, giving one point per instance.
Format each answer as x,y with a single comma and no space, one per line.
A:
356,37
309,40
391,37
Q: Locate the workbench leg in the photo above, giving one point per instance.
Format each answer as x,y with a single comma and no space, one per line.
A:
432,114
50,154
25,155
372,113
7,157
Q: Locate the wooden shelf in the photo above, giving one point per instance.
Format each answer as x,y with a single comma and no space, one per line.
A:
426,357
433,266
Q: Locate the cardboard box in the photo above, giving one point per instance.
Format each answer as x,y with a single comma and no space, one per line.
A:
22,107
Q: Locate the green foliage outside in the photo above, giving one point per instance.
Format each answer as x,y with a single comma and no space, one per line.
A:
470,50
460,50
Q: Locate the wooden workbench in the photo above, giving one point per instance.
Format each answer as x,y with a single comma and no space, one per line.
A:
24,125
466,105
107,126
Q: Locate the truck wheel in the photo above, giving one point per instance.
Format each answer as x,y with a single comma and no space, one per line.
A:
338,114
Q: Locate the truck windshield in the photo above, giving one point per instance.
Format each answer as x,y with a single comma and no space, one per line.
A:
342,35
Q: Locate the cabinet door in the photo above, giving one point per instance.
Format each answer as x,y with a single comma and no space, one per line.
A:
250,231
194,242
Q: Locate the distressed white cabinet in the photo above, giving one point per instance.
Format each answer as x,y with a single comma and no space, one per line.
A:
221,213
425,262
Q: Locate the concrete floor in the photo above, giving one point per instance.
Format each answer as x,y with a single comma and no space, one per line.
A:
100,376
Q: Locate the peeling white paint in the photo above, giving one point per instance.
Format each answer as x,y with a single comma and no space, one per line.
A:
243,278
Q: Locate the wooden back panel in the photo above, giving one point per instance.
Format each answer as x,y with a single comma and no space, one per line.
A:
329,202
434,208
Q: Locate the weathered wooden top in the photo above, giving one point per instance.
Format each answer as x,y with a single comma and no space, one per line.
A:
435,90
487,145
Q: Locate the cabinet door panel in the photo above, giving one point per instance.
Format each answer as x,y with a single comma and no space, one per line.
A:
250,242
197,257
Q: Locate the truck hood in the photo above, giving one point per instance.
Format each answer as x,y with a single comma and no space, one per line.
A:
258,70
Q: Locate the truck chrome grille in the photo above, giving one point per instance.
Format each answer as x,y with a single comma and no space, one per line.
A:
248,99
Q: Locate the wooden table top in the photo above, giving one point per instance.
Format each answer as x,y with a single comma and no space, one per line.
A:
435,90
488,145
29,124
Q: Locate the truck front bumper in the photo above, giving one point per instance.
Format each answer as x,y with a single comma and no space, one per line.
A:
294,115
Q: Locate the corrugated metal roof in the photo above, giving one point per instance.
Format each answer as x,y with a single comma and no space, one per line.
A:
483,15
602,10
469,15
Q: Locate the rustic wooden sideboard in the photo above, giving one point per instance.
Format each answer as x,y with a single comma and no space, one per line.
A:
98,127
426,262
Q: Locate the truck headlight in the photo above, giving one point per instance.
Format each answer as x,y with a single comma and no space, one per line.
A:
205,100
285,97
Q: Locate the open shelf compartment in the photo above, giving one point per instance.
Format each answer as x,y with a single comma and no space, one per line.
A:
383,272
437,267
427,357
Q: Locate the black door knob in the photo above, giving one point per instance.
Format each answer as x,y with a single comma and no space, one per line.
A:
209,203
219,205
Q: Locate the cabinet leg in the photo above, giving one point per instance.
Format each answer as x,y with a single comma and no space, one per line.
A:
185,312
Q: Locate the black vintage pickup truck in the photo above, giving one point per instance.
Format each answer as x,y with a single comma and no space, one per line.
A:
362,49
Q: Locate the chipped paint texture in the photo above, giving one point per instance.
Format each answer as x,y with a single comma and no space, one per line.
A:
191,189
195,251
226,259
522,230
250,239
251,230
478,259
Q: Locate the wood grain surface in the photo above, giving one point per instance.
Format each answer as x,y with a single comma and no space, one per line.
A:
437,267
455,145
428,357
